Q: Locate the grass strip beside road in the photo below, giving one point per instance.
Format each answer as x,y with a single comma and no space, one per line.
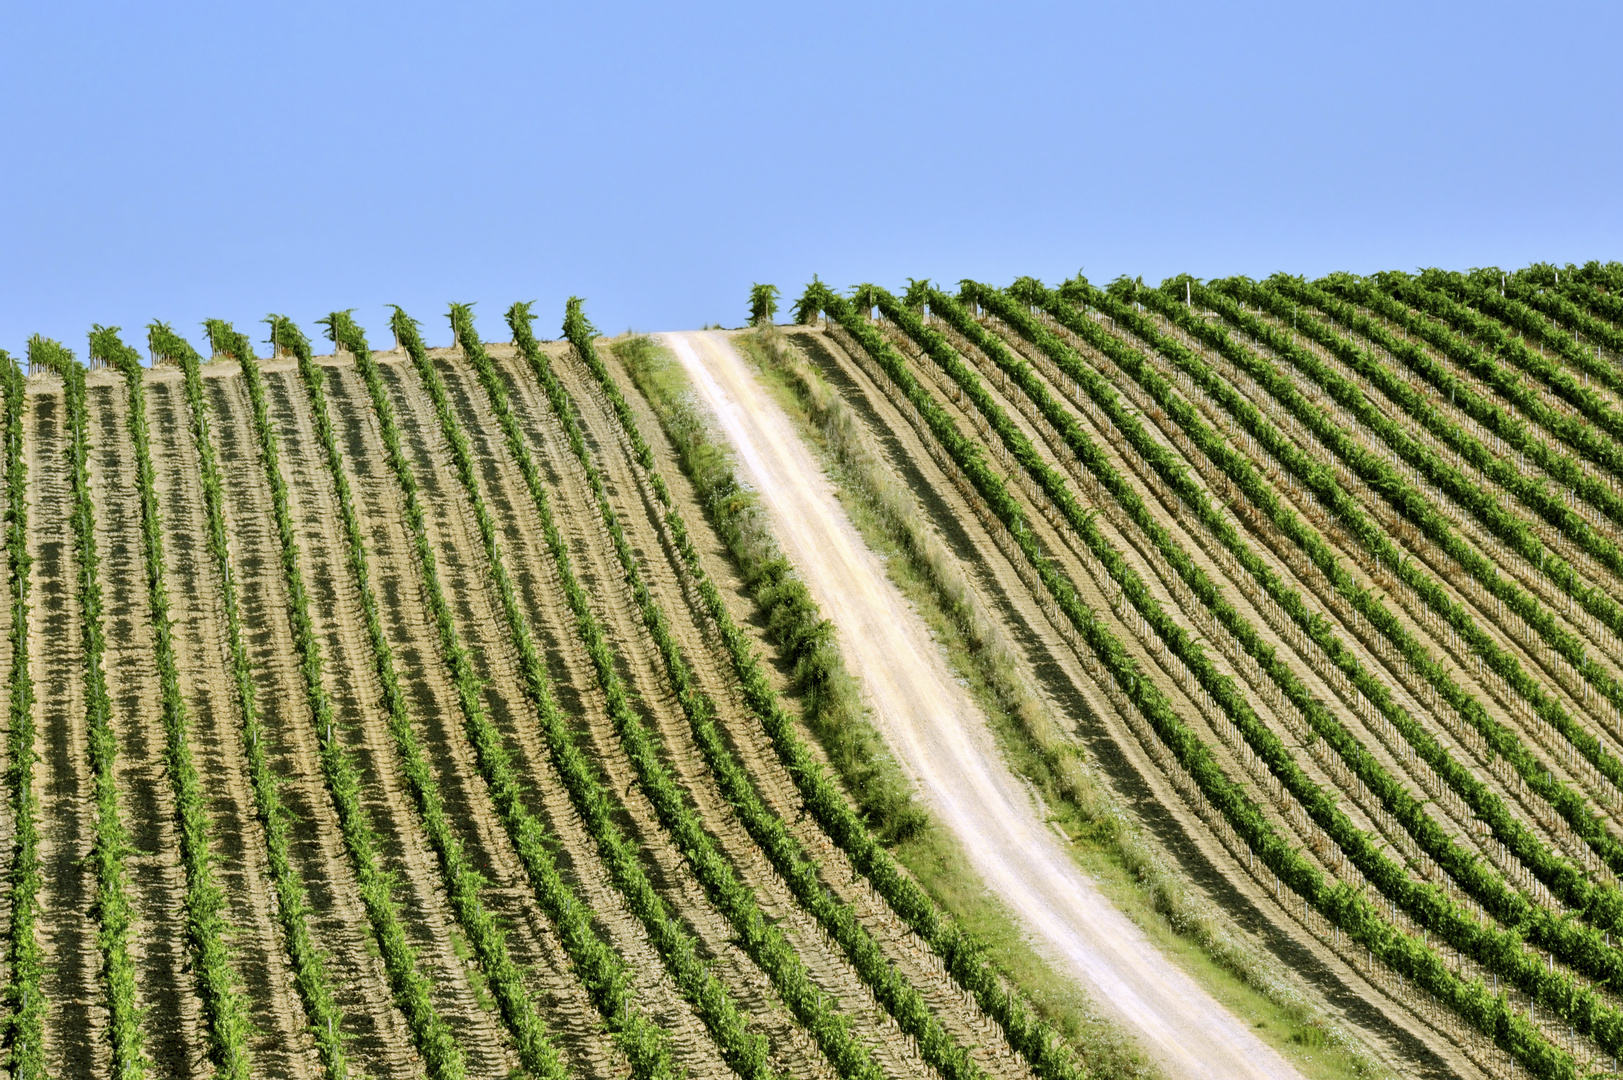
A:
765,943
793,865
742,527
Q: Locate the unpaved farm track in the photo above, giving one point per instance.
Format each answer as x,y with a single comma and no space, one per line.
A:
939,736
380,1030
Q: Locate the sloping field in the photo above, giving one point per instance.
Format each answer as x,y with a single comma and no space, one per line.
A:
401,713
374,714
1335,567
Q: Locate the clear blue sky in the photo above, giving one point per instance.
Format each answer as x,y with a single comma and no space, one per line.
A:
181,161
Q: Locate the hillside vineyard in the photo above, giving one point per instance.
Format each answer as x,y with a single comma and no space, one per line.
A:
375,714
1336,567
401,713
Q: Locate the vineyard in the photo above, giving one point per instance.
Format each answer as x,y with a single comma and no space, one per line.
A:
379,714
442,711
1339,564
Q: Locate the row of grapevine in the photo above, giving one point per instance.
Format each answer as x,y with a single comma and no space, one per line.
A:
441,1054
1343,906
26,1028
1419,510
1596,300
112,904
1602,277
597,966
223,1006
1534,494
1428,905
1414,505
1579,946
1561,309
462,881
1479,407
1382,477
292,904
1566,881
1488,331
960,956
1505,524
1520,316
765,943
1475,360
1599,906
746,1052
788,858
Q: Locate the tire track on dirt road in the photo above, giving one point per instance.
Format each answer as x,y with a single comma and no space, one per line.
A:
939,735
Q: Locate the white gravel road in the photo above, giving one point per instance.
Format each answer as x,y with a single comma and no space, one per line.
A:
941,739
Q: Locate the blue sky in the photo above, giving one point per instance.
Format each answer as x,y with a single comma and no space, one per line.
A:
182,161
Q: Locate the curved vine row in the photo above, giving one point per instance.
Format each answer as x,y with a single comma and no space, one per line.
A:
1490,463
1581,947
26,1027
600,970
1506,524
292,903
1429,905
433,1039
206,928
1453,300
1600,906
112,903
462,882
745,1051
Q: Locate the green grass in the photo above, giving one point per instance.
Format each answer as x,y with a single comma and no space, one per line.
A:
1104,841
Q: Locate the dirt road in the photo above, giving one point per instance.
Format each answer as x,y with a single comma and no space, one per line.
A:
942,741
